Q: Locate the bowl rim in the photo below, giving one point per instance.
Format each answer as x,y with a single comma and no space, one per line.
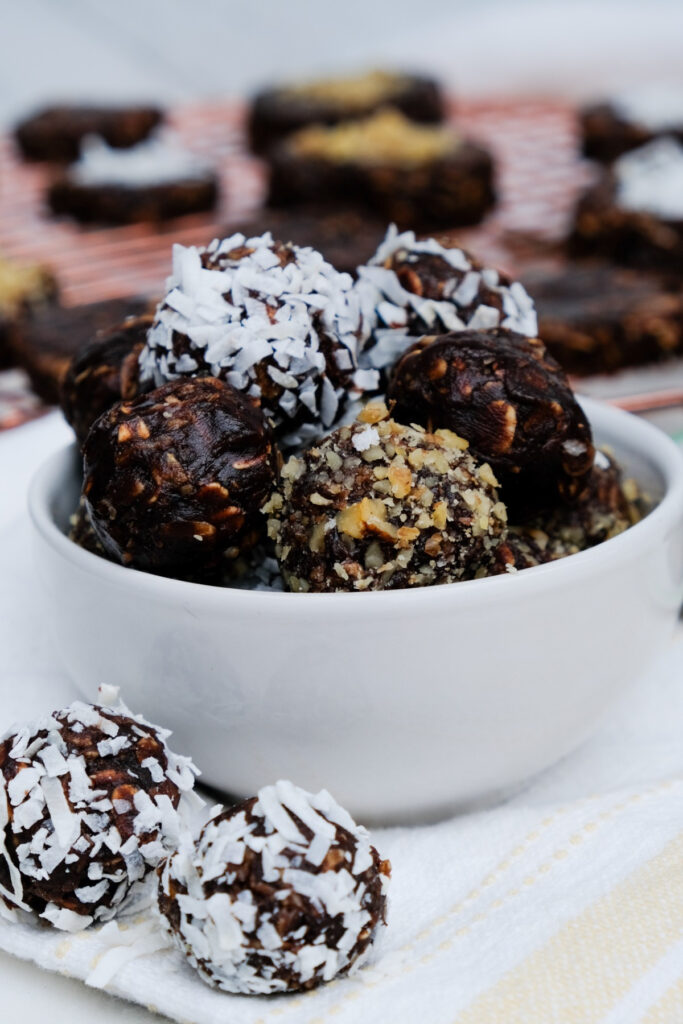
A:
646,440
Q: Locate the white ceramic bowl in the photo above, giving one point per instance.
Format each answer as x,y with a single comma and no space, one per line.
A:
405,704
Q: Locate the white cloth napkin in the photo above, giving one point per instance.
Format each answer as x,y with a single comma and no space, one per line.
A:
563,905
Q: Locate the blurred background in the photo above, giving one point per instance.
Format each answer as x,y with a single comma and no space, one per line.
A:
515,77
180,50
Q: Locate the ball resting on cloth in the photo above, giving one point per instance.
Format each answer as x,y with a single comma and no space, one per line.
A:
281,892
89,803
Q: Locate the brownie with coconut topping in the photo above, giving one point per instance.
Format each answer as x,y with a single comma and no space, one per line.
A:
381,506
277,112
631,120
89,804
419,176
634,214
280,893
413,287
510,399
174,479
151,182
56,133
274,320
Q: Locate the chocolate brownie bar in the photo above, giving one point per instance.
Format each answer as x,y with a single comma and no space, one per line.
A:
23,287
346,237
626,122
276,113
50,337
598,319
55,133
419,176
634,214
150,182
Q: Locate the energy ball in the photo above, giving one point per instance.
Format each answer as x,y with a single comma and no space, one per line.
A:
608,505
414,287
103,373
274,320
89,804
379,506
174,479
280,893
510,399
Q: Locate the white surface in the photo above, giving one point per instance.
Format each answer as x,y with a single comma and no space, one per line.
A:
574,886
333,690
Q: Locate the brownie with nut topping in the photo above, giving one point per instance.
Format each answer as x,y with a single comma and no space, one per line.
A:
277,112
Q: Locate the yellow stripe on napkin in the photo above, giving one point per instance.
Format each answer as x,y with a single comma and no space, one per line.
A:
593,961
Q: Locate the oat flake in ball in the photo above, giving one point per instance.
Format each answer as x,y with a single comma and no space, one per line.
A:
89,803
280,893
510,399
416,286
174,479
275,320
378,506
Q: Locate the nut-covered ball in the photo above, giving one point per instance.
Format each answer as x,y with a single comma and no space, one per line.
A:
510,399
89,800
378,506
174,479
414,287
280,893
274,320
607,505
103,373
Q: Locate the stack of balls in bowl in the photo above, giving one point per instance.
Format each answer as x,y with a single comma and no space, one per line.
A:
239,435
279,893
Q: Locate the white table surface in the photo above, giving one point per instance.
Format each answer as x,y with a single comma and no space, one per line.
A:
180,50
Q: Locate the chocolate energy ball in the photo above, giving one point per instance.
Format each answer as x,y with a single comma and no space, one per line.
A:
81,530
413,287
152,182
103,373
379,506
630,120
55,133
510,399
608,505
89,803
280,893
276,113
420,176
634,214
174,479
274,320
600,318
